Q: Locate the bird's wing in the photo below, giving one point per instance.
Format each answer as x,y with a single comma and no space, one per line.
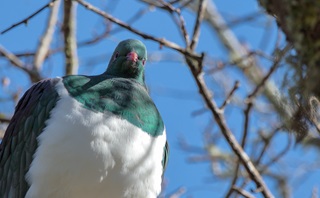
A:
20,140
165,156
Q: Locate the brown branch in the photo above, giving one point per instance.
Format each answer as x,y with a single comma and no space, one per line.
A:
242,192
185,3
267,141
70,43
266,77
228,99
33,74
161,41
247,114
195,62
45,42
237,149
196,29
180,22
25,21
243,143
183,28
277,157
249,66
247,18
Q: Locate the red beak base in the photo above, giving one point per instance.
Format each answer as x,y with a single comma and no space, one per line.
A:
132,56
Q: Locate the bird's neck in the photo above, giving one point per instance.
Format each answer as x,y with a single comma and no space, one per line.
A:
126,71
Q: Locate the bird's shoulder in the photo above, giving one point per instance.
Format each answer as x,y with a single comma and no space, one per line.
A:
124,97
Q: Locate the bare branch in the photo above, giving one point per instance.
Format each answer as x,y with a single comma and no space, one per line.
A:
26,20
248,65
272,69
278,156
161,41
242,192
178,193
193,59
45,42
267,141
70,43
243,143
247,163
33,74
196,29
180,22
228,99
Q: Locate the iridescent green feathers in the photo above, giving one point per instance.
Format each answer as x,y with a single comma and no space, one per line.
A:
123,97
122,64
121,89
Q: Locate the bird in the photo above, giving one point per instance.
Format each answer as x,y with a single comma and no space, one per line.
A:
87,136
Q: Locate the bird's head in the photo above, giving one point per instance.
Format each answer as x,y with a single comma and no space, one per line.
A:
128,60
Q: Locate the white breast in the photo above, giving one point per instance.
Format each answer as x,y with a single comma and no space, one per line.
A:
89,154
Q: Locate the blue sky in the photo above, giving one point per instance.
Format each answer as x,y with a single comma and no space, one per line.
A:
170,82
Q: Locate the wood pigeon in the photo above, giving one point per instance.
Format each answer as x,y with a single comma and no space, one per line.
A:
87,136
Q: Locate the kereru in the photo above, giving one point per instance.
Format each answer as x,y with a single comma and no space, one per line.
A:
87,136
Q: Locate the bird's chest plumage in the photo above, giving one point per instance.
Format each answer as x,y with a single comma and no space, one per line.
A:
84,153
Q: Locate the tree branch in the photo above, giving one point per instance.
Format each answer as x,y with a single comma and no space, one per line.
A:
161,41
195,62
242,192
248,65
26,20
45,42
70,43
228,99
33,74
196,29
217,113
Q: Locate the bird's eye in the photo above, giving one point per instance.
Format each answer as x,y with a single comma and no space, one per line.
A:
116,55
143,61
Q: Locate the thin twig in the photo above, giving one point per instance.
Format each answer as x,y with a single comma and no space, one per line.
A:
161,41
180,22
246,18
234,179
70,43
228,99
266,77
193,59
5,120
246,125
196,29
25,21
185,4
267,141
33,74
178,193
243,142
45,42
236,147
242,192
277,157
183,28
249,66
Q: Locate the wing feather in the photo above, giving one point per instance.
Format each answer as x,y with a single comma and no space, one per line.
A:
20,139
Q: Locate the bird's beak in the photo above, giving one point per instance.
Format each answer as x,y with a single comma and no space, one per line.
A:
132,56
